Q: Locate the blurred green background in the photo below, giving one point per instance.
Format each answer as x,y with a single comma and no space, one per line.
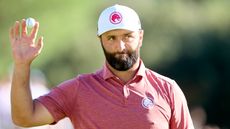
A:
186,40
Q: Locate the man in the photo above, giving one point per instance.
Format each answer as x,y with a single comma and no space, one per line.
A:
122,95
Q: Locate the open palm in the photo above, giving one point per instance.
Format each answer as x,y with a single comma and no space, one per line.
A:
24,48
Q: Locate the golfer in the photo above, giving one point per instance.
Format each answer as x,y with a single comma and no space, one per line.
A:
123,94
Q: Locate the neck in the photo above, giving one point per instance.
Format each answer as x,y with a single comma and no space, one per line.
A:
125,76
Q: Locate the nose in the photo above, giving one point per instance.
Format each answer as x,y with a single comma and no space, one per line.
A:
121,46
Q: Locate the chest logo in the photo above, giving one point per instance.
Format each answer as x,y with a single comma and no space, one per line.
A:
147,103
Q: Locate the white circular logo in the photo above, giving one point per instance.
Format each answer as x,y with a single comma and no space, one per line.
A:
115,18
147,103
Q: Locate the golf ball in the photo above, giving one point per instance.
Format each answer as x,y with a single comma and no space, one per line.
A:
30,22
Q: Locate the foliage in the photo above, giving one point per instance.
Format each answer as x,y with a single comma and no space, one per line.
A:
186,40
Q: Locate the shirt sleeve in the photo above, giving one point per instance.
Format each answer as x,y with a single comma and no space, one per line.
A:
180,118
60,100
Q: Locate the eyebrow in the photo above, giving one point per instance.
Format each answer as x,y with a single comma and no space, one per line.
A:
129,33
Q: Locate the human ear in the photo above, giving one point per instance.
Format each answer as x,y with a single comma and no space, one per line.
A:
141,35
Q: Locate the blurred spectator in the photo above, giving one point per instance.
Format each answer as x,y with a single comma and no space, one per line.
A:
38,87
5,114
199,118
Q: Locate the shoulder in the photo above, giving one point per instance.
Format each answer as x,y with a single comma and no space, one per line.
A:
163,83
75,81
71,87
160,79
166,86
86,78
166,83
82,81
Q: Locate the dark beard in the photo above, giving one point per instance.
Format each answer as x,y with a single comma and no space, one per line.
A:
122,61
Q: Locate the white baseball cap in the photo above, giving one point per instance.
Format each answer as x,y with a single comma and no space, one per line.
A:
118,17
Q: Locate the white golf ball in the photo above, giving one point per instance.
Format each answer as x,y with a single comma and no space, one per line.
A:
30,22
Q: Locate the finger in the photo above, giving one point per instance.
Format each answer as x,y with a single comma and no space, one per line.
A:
34,30
24,30
17,29
11,33
39,44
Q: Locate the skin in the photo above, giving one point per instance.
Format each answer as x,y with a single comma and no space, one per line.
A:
29,113
25,111
121,41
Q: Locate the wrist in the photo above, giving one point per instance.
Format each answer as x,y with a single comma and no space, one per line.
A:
22,65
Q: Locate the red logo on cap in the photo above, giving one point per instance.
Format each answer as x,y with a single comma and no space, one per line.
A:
115,18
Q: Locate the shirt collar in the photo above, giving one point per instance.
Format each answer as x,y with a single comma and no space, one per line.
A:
106,72
141,70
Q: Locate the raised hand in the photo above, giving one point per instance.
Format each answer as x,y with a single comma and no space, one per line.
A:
24,48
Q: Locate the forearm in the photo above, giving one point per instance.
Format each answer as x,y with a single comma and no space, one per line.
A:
25,112
21,99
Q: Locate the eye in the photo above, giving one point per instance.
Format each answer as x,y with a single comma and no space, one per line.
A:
128,37
111,38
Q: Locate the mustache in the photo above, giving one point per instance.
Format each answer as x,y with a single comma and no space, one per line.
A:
121,60
122,52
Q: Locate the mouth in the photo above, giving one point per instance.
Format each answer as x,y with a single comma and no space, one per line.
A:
121,55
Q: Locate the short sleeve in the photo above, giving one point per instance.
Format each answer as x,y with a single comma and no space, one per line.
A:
60,100
180,118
